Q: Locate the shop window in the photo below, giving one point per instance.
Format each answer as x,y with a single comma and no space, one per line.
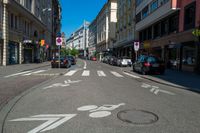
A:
189,55
190,16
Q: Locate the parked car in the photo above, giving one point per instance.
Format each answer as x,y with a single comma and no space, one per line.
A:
92,58
124,61
64,63
72,59
149,64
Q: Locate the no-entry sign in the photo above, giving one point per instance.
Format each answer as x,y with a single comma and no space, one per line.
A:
58,41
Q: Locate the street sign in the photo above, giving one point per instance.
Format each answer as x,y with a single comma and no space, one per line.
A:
136,46
58,41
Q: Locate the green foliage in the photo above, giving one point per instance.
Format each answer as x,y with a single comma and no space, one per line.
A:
74,52
64,52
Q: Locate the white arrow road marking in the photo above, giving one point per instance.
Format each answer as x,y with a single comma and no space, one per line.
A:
16,74
56,120
101,74
156,90
72,82
86,73
108,107
117,74
36,72
70,73
131,75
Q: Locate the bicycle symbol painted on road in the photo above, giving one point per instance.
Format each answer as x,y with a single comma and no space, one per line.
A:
99,112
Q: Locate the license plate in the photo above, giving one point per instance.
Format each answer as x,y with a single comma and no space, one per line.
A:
155,65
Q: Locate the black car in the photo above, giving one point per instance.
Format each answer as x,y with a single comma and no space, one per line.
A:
64,63
72,59
149,64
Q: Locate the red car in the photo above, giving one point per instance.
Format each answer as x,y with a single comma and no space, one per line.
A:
93,58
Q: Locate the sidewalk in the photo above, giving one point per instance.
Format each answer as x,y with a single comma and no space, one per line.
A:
183,80
22,67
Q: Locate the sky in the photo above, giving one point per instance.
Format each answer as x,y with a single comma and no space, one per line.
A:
74,12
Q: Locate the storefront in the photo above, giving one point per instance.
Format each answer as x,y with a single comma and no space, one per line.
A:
13,50
28,52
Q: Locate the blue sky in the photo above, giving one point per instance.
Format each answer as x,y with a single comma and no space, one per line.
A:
74,12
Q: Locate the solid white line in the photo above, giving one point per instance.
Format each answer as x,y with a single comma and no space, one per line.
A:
131,75
85,65
86,73
101,74
16,74
117,74
58,123
70,73
36,72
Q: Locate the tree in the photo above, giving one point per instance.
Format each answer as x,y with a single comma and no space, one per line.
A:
74,52
64,52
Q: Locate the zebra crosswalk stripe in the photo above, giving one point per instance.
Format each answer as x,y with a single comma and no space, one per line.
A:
117,74
86,73
101,74
70,73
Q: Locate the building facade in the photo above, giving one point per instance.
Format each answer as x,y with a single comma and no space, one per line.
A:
92,41
125,33
165,29
27,31
79,39
106,27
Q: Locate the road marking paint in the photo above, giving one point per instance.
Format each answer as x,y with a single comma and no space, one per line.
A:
131,75
100,114
117,74
70,73
16,74
87,108
36,72
53,121
85,65
86,73
146,85
101,74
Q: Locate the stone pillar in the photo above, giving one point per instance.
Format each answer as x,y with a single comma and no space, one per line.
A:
20,53
5,35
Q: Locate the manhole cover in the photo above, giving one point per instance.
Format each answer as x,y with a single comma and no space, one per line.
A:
137,117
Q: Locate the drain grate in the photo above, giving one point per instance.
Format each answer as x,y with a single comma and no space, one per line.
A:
137,117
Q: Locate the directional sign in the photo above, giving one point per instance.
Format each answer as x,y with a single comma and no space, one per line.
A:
52,121
58,41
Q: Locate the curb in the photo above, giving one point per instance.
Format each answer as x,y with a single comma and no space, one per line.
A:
171,85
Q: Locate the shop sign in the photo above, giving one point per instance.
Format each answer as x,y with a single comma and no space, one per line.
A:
146,45
136,46
196,32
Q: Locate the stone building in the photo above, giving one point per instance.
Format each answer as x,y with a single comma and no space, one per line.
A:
25,24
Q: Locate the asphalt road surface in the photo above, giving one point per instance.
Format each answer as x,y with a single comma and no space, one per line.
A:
93,97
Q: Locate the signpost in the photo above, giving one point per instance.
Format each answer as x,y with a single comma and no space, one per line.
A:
136,48
59,44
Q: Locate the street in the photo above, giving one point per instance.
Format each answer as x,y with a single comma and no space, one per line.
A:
92,97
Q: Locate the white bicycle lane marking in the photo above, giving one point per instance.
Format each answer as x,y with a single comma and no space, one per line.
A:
55,120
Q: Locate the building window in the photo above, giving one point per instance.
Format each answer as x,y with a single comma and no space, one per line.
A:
16,22
12,20
138,2
154,5
138,17
174,23
189,22
145,12
164,27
